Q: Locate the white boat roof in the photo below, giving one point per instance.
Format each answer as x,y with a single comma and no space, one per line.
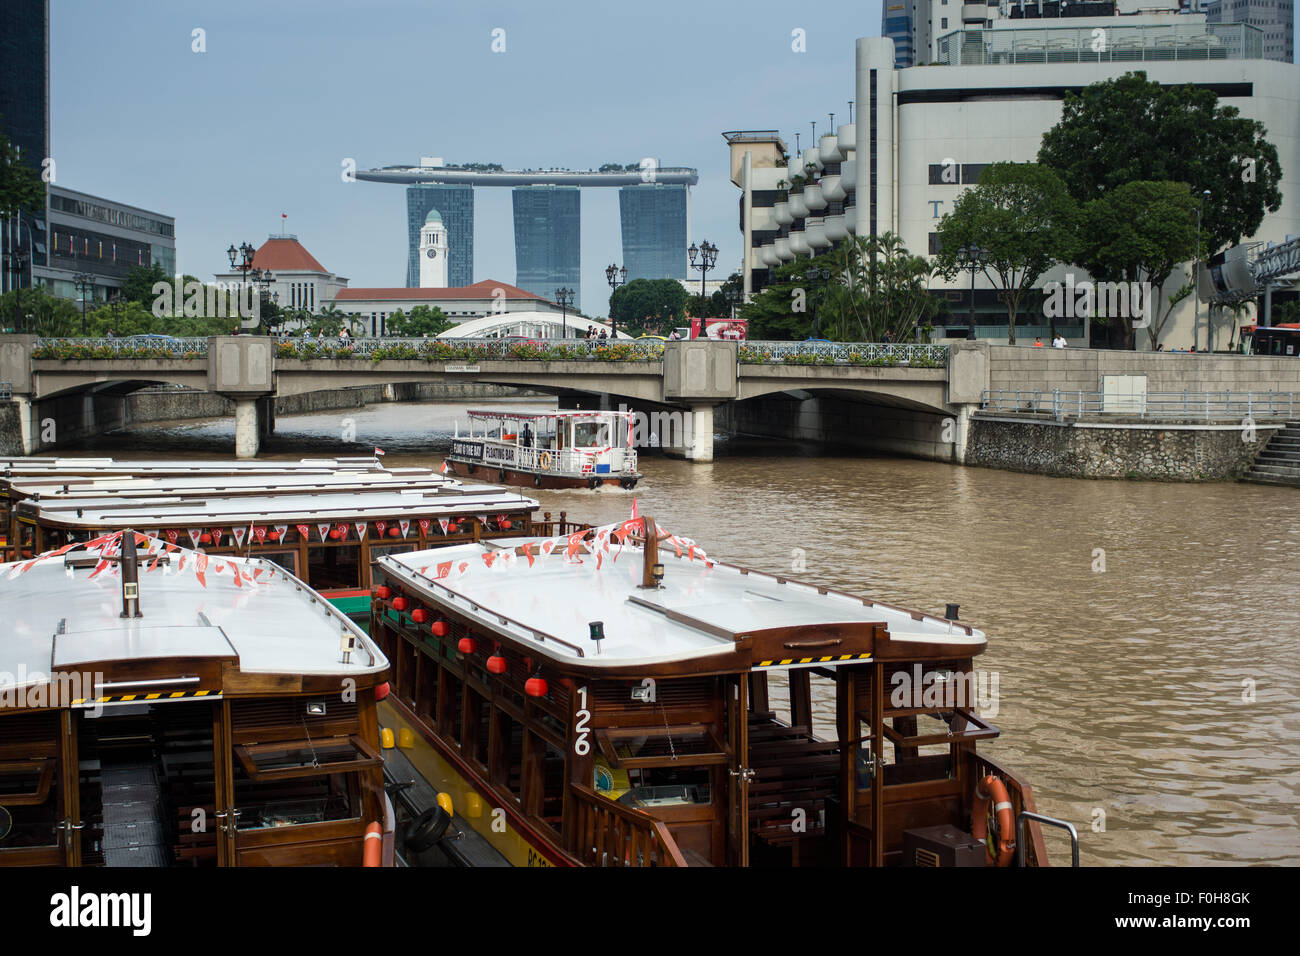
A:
560,413
707,603
114,513
133,486
27,465
59,617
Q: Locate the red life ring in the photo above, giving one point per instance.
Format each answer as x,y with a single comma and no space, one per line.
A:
992,788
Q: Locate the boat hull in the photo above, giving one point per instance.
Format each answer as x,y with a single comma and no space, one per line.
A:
536,479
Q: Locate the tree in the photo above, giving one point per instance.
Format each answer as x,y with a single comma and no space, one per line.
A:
644,304
21,188
139,282
422,320
1128,129
1023,219
1139,232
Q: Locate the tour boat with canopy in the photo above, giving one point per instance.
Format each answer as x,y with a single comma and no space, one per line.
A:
616,697
558,449
325,527
164,707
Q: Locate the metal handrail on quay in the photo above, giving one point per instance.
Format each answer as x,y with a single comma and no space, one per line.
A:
1061,404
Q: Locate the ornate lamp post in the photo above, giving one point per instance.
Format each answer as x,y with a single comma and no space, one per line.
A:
564,298
616,277
707,253
18,262
242,259
85,282
973,256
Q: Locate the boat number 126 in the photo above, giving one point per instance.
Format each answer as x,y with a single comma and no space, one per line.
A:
581,745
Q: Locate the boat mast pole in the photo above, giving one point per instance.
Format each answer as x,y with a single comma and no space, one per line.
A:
130,577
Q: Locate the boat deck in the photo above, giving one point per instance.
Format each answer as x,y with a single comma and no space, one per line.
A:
133,826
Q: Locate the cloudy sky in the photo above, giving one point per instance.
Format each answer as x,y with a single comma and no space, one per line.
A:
258,125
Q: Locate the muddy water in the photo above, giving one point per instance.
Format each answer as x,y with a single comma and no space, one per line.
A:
1145,637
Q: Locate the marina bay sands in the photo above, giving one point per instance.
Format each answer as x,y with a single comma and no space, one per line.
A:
654,212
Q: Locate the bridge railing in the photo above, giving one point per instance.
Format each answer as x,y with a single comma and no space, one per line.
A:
477,349
1165,406
843,353
125,346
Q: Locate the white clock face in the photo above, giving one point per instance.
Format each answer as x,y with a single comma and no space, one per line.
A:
432,253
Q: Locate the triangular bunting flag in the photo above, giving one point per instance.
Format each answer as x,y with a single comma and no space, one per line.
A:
405,526
443,523
324,530
424,526
216,536
238,532
380,526
194,536
444,569
259,532
361,530
305,531
172,535
528,553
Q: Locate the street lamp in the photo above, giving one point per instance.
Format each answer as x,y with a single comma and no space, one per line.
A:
242,260
707,253
85,282
973,256
17,262
1196,269
616,277
564,298
115,302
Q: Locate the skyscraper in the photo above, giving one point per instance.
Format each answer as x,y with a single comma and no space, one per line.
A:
653,216
548,235
456,206
1274,17
25,121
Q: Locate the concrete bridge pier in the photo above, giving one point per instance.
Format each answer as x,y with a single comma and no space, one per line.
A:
699,433
242,368
248,432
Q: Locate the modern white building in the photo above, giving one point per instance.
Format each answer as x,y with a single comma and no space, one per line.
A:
924,133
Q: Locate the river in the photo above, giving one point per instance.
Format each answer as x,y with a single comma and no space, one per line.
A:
1145,636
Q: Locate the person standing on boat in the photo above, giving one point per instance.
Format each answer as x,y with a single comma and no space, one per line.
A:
526,438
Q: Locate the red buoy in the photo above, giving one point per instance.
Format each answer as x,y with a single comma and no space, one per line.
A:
399,604
383,592
420,615
466,645
381,690
536,687
439,628
496,664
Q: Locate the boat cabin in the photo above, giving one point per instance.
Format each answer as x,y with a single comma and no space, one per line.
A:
163,707
547,449
617,698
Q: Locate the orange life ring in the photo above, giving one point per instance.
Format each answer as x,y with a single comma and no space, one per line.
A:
372,846
544,461
993,788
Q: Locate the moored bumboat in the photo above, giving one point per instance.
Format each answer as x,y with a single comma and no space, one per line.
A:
617,698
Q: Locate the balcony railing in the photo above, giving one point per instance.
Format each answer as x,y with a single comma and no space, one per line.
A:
843,353
126,346
1061,404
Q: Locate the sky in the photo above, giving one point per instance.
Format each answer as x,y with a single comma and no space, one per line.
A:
260,123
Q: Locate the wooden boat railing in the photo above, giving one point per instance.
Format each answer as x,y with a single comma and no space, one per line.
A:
606,833
550,529
1022,799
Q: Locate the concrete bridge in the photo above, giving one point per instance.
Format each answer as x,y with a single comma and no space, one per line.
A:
903,399
66,389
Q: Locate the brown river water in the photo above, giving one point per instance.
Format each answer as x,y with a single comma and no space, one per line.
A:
1153,703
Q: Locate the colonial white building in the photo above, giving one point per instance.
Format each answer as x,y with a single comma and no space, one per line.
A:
433,252
923,134
373,306
298,280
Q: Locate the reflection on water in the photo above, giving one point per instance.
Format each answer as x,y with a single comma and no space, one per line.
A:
1124,692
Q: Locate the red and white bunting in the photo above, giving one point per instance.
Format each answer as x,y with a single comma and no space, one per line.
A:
548,546
259,532
361,530
405,526
282,529
194,536
483,520
238,532
442,523
381,527
305,531
324,530
342,527
424,525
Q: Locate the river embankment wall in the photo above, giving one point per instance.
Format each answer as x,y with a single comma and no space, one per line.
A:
1165,451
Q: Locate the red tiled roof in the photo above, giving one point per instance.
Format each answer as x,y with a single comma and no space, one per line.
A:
479,290
288,254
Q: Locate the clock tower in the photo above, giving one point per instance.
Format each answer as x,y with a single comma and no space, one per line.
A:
433,252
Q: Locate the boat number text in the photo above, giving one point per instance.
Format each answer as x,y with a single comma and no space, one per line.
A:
581,745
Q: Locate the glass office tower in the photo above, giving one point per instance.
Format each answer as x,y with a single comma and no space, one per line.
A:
25,122
653,217
547,240
456,206
898,22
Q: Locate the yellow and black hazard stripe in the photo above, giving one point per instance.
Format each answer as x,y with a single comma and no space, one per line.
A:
146,698
829,659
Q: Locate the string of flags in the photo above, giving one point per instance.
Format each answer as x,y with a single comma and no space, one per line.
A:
604,541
